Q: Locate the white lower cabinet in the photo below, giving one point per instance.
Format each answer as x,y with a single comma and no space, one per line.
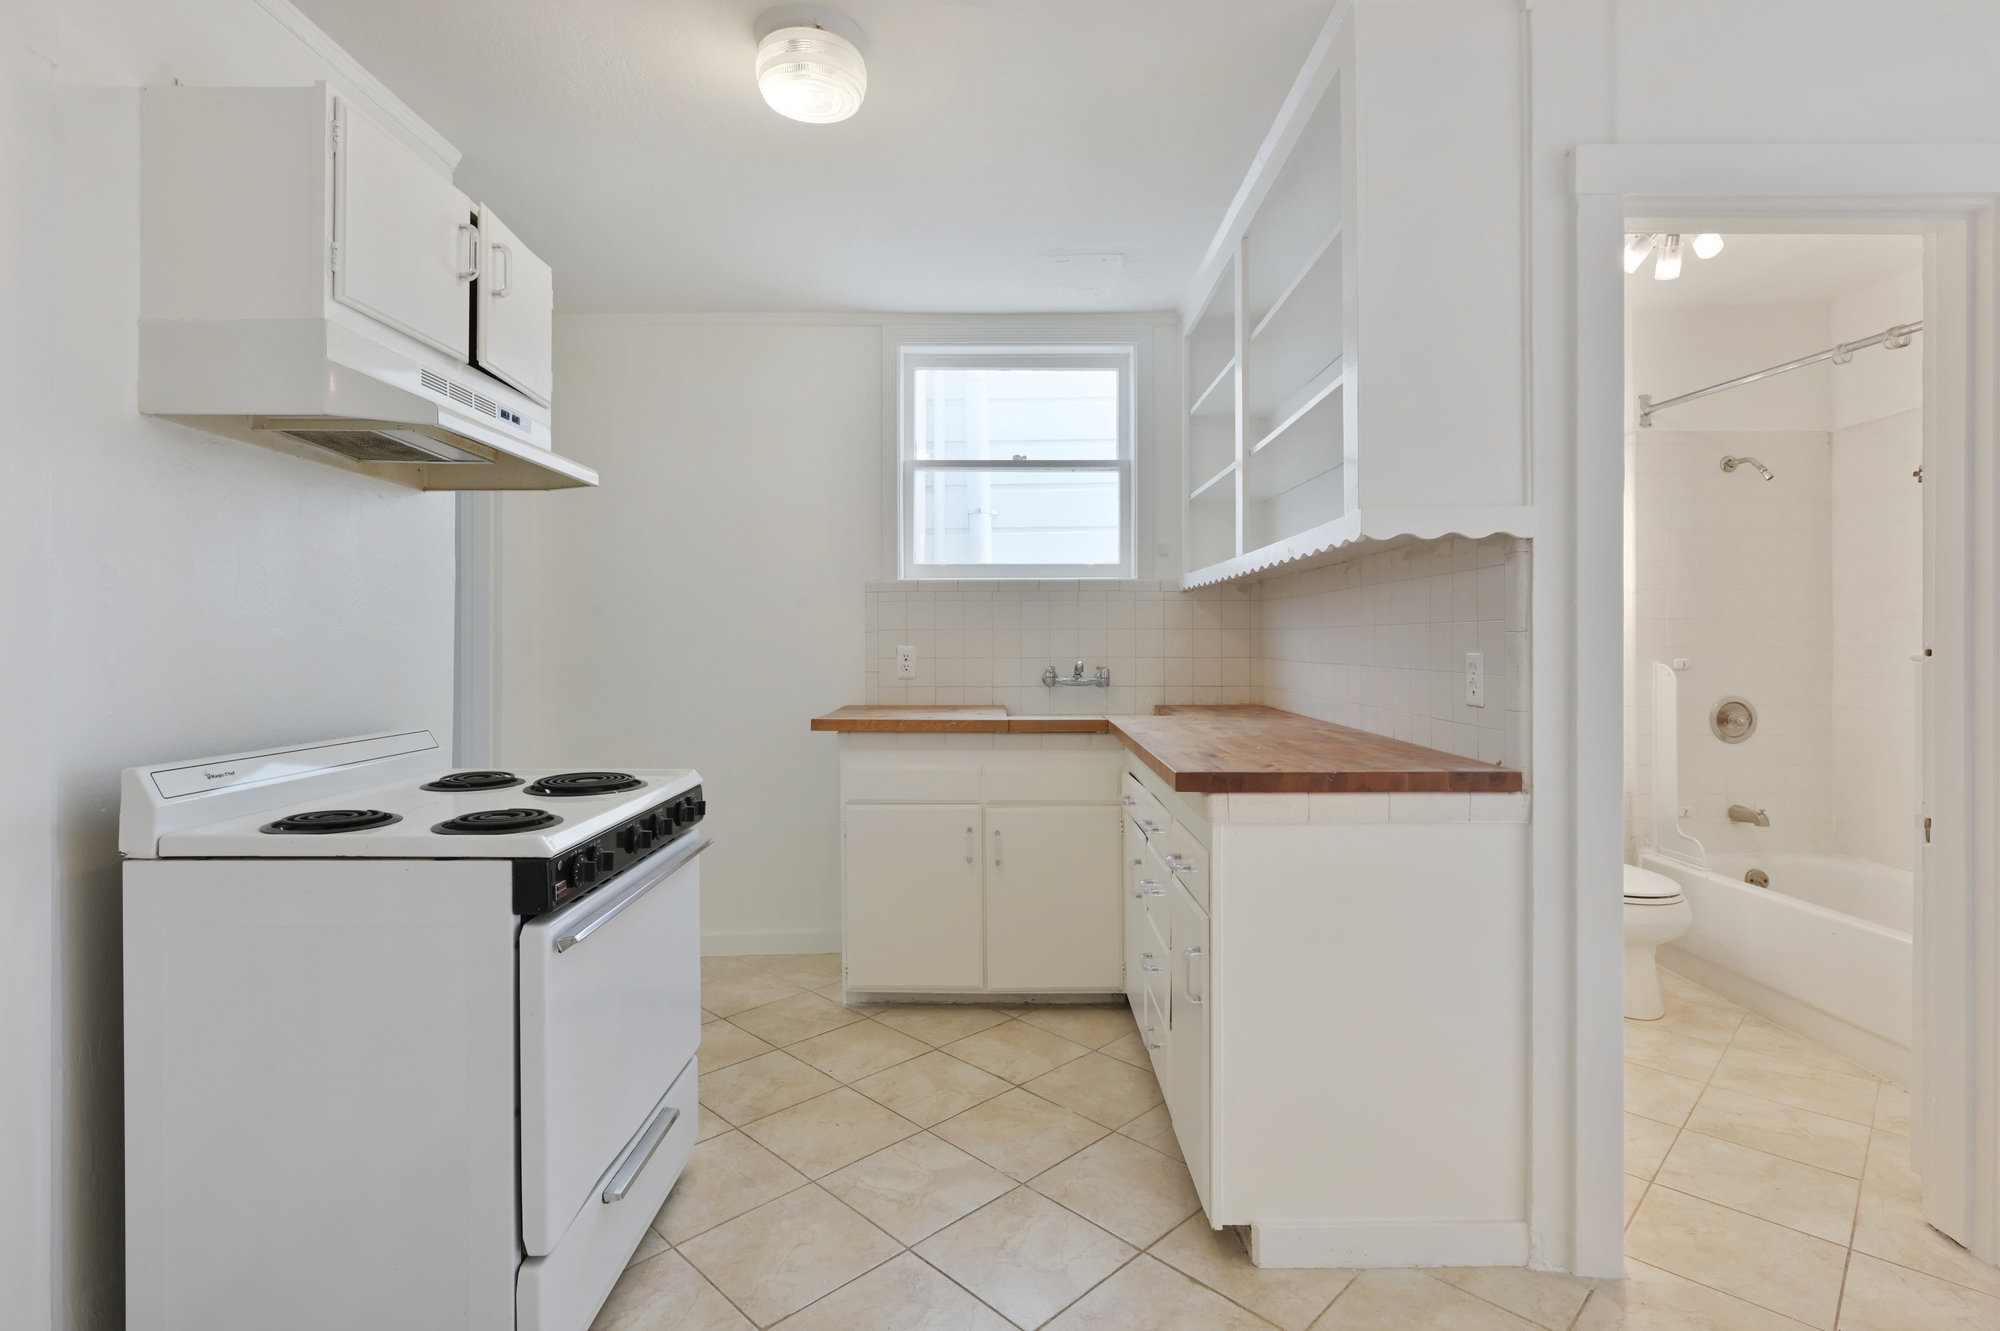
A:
1019,892
914,897
1052,911
1135,914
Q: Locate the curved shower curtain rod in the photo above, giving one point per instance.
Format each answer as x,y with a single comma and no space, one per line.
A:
1893,339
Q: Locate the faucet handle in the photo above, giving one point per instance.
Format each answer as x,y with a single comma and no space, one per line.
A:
1079,669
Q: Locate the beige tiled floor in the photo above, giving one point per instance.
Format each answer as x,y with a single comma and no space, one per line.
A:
980,1169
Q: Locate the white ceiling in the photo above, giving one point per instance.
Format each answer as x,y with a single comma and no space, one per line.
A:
1760,269
1001,139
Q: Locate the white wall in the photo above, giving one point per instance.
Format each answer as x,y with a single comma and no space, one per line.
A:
744,494
169,594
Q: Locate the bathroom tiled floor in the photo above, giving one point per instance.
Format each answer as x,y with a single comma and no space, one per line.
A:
981,1169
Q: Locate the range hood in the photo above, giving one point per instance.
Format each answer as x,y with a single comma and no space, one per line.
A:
323,389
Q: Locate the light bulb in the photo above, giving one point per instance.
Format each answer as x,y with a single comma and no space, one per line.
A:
811,74
1707,245
1669,266
1636,250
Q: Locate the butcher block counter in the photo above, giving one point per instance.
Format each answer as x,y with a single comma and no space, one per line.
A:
1220,750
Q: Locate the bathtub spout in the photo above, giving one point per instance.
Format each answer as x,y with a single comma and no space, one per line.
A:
1743,813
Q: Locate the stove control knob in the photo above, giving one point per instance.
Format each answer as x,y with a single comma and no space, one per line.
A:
586,870
628,838
645,835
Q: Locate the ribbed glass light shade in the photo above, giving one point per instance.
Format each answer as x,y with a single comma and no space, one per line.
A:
810,74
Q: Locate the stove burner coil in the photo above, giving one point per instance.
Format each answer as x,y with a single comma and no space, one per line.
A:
462,781
318,821
495,822
585,783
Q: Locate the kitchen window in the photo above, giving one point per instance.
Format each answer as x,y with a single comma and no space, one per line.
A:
1016,461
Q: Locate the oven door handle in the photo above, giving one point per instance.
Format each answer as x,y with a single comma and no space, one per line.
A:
615,906
640,1155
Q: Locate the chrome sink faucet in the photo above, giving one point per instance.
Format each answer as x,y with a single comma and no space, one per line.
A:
1743,813
1100,680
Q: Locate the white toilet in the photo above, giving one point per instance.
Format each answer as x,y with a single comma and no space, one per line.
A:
1655,913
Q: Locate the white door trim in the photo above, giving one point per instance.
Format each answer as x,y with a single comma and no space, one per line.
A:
1950,194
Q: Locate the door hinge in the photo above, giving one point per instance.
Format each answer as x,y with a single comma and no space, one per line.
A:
333,134
333,255
1927,831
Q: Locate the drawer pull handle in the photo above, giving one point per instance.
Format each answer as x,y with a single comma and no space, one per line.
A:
1149,888
1130,803
996,845
1146,964
642,1150
1147,826
970,854
1179,865
1150,1042
1187,977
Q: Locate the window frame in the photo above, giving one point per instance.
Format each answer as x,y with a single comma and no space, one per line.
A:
1121,354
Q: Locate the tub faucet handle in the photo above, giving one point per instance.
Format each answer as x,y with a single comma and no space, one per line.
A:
1743,813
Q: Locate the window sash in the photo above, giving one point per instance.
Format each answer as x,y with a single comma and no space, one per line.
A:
1121,357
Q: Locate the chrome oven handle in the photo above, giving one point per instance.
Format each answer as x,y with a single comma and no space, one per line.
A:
641,1153
613,907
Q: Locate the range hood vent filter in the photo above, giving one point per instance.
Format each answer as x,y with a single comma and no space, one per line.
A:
383,445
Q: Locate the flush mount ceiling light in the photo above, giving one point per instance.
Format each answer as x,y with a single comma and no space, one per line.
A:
809,64
1639,248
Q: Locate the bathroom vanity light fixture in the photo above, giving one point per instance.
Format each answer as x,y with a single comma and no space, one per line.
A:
1670,248
810,65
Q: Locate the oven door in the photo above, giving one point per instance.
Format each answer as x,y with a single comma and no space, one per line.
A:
610,1013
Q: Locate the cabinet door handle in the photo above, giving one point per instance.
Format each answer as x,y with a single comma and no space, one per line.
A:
996,845
1150,1042
1146,964
1187,977
1179,865
1147,826
470,234
503,285
1149,888
1129,802
970,853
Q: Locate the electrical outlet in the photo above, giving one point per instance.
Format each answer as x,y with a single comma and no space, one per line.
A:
906,663
1475,679
1680,663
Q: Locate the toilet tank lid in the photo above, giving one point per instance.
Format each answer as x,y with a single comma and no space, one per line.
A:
1647,885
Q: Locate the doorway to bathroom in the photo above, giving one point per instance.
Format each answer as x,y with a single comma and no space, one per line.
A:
1774,651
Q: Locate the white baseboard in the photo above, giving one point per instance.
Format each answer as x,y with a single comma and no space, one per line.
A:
1308,1243
775,942
1882,1057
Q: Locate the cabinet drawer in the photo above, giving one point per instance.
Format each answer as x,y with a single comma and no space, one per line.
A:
1154,884
1187,859
1051,778
1153,1031
1144,809
911,782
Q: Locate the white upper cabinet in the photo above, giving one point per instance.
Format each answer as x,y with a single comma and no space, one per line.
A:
516,307
1353,359
406,244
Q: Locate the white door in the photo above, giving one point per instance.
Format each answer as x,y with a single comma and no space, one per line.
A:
1187,1079
610,1014
913,897
1054,918
517,306
406,249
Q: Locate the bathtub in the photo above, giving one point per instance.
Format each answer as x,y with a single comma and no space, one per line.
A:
1825,950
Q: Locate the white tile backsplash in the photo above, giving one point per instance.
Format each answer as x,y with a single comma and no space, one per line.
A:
1379,643
1376,642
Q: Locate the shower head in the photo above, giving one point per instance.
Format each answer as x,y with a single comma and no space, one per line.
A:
1731,464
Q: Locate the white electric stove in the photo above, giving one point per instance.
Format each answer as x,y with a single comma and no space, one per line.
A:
405,1047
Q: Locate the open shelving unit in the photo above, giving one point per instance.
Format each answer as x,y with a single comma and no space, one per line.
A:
1286,456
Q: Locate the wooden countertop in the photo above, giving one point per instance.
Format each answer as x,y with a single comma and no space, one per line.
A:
1244,750
1217,750
954,720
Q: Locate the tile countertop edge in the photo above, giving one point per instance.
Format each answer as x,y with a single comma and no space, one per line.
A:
1432,771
